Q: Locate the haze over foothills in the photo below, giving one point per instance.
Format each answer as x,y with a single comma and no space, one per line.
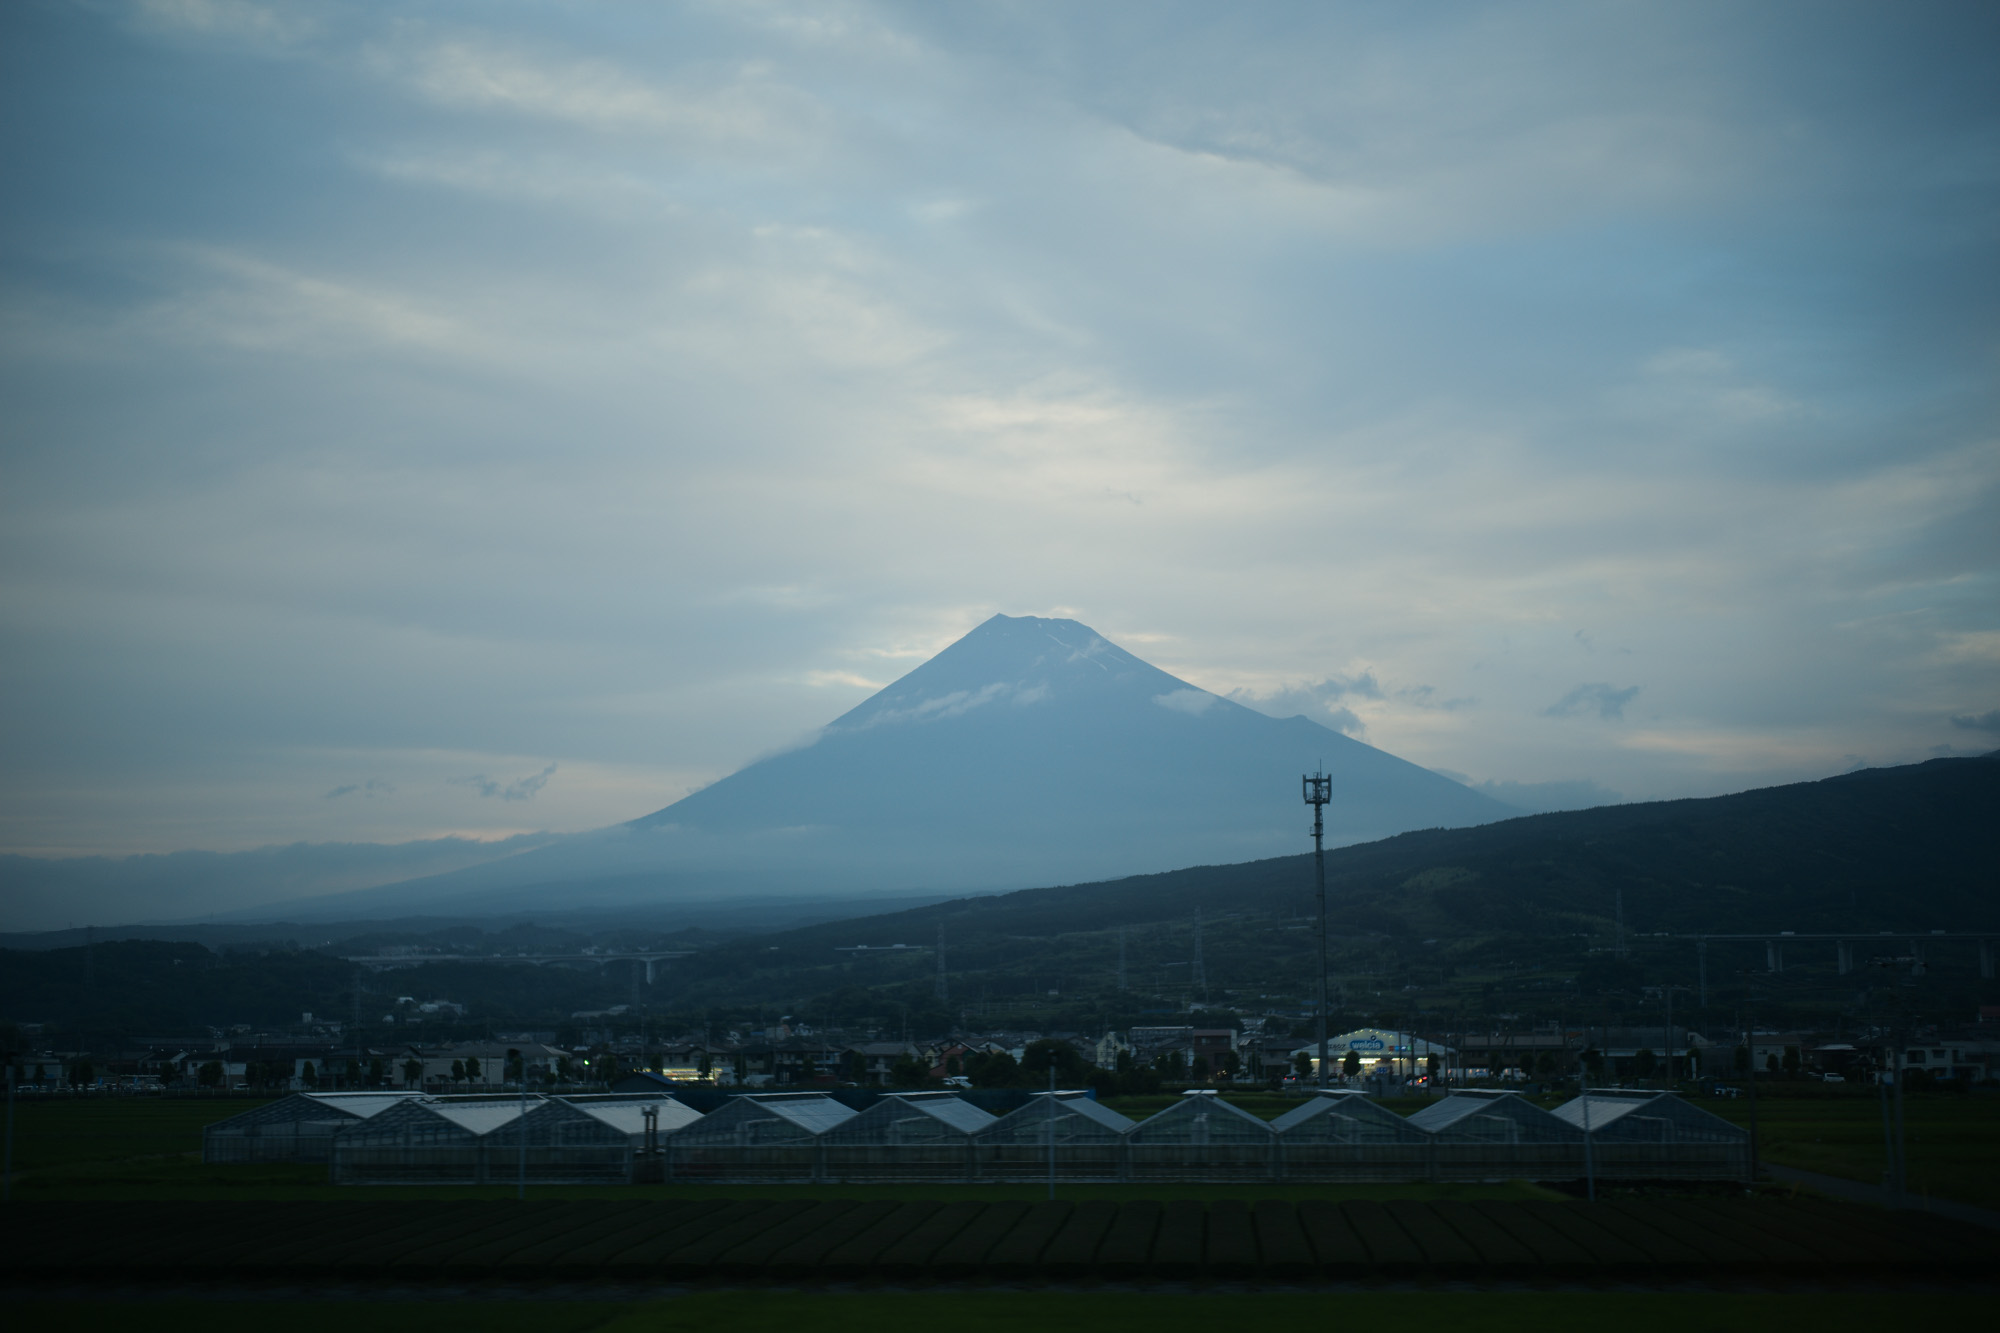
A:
489,419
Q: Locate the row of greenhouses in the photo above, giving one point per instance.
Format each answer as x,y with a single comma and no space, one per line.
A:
938,1136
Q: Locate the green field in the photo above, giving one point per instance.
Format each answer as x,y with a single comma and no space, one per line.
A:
1953,1142
1046,1311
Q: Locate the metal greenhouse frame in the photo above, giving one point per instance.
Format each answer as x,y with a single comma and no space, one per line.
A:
1637,1135
1499,1136
757,1136
1088,1139
905,1136
423,1142
1200,1137
1340,1134
297,1128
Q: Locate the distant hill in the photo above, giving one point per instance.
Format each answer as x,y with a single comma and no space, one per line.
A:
1512,916
1907,849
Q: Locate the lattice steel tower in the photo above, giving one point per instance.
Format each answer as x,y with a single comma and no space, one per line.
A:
1318,789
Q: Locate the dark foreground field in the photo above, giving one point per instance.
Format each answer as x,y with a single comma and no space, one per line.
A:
729,1311
832,1240
116,1218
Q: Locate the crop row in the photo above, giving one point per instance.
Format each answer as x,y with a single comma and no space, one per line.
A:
840,1239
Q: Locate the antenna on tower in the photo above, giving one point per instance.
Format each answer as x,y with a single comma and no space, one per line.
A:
1200,977
1318,788
943,986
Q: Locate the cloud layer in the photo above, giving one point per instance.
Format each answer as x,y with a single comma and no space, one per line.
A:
1560,394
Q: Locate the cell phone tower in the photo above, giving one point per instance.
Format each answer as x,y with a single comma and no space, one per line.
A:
1318,789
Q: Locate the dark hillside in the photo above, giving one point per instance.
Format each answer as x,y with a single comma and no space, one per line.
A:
1883,849
1528,902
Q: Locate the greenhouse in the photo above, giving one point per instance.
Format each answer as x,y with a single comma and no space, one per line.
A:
905,1136
1089,1140
1343,1135
298,1128
1656,1136
564,1145
757,1136
1200,1137
627,1114
1499,1136
425,1141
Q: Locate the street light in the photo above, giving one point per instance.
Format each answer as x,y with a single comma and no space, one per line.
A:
1318,788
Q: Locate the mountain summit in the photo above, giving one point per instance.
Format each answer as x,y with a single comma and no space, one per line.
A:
1037,751
1030,752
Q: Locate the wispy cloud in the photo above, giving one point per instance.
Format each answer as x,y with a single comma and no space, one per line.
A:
1543,797
478,72
523,789
1192,702
275,25
1607,701
372,787
1309,697
1987,721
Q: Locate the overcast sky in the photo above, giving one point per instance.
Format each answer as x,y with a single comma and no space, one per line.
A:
474,418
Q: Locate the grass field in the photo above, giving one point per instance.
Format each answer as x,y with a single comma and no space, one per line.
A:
1046,1311
1953,1141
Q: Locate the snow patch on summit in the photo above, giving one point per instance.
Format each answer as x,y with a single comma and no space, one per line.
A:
955,704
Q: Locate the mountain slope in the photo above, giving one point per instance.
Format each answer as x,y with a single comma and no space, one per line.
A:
1030,751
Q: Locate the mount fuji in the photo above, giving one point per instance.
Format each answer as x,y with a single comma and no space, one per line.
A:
1055,753
1032,751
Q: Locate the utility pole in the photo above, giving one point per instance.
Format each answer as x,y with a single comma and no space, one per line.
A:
1667,1035
1200,978
1750,1044
943,986
1899,1072
1052,1126
1888,1127
1589,1164
1318,788
7,1169
1121,958
522,1123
